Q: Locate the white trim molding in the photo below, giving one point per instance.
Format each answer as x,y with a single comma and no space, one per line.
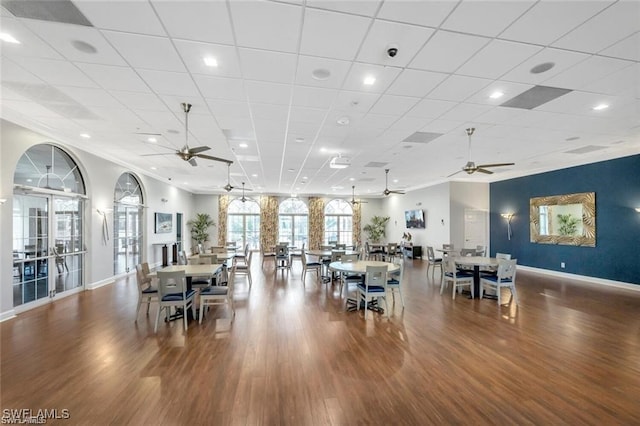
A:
591,280
11,313
101,283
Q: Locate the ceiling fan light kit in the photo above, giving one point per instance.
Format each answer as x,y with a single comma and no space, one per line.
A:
471,167
387,191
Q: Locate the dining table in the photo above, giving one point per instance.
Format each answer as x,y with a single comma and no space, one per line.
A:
326,254
477,262
360,267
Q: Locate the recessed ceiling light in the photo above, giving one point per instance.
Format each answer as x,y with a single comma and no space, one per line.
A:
323,149
85,135
343,121
304,177
352,179
243,145
154,168
299,140
540,68
186,183
496,95
254,175
210,61
369,80
321,74
84,47
152,140
600,107
395,181
8,38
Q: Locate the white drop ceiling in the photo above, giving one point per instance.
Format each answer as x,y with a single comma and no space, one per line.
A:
452,55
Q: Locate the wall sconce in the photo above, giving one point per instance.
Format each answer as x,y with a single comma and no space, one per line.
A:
4,200
637,208
508,216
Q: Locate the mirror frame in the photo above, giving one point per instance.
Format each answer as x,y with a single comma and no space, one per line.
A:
588,201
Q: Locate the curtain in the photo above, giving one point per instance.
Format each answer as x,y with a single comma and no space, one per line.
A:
268,221
357,220
223,207
316,222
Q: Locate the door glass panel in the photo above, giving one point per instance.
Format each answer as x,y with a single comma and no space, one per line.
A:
30,242
68,250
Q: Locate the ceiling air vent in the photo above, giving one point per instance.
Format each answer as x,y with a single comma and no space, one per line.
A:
47,10
534,97
422,137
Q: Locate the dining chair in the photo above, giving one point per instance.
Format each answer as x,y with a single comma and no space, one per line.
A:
467,252
394,283
267,254
374,285
244,268
219,295
480,250
350,278
433,262
458,278
506,277
200,281
146,291
173,292
296,254
336,256
242,257
309,266
392,251
341,246
282,256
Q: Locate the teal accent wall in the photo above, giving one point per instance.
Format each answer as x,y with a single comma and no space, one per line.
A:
616,255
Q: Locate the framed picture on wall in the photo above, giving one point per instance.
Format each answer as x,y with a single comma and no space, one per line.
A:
163,223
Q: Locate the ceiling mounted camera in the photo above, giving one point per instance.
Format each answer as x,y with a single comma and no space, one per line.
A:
392,51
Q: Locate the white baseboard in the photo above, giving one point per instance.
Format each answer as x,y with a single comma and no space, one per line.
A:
7,315
101,283
592,280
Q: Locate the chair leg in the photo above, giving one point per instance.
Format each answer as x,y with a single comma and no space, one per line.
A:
138,308
513,292
155,329
201,311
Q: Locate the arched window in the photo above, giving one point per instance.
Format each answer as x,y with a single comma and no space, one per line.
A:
48,226
338,222
243,223
293,222
127,224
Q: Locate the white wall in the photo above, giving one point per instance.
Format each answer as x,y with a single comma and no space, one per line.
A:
203,203
466,195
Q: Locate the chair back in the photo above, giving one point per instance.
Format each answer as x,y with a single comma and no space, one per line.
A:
507,269
449,265
341,246
349,258
430,254
480,250
376,276
447,247
249,256
366,247
231,244
398,275
201,260
326,247
467,252
143,280
282,250
182,258
171,283
503,256
145,269
392,248
336,255
218,249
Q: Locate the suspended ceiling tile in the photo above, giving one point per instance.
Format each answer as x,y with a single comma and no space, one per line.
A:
430,14
265,92
55,72
587,71
314,97
134,17
194,53
431,108
141,51
220,87
383,76
458,88
628,48
357,7
488,18
547,21
114,78
489,94
415,82
267,25
561,60
332,35
267,66
213,24
307,65
436,54
407,39
394,105
608,27
497,58
170,83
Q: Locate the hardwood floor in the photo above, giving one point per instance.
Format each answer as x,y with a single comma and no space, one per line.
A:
569,354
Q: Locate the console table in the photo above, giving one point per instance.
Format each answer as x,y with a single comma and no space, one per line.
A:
412,251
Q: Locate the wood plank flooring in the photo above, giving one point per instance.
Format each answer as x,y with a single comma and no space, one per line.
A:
568,354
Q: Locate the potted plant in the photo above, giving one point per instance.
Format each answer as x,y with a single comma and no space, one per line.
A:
200,228
568,224
376,229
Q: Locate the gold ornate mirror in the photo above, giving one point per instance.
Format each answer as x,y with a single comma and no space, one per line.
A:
564,219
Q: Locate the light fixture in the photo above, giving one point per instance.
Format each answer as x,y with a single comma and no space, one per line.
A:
85,135
508,217
243,145
339,162
638,209
8,38
600,107
369,80
496,95
210,61
4,200
152,140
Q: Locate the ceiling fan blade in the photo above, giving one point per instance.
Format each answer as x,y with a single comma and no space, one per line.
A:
192,161
396,192
151,155
147,133
485,171
198,149
210,157
455,173
497,165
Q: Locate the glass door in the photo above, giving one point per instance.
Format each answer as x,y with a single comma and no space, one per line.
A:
127,237
48,247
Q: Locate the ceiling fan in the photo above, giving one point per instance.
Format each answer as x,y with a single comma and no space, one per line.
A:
387,191
471,167
228,187
190,154
353,197
243,199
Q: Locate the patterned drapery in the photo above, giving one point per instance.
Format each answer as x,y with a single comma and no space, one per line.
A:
316,222
357,220
223,207
268,221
